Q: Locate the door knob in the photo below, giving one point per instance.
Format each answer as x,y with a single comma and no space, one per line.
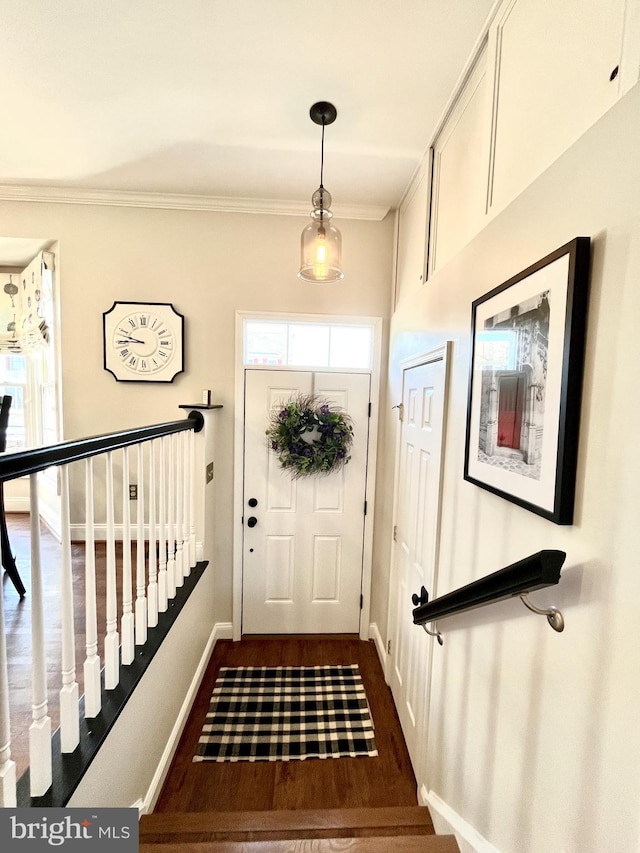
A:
252,521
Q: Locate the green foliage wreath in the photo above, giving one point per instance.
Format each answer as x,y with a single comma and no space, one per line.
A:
309,436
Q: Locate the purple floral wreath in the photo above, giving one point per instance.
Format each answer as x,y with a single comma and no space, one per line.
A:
309,436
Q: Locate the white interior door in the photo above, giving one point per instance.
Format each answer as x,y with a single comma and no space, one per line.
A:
415,549
303,548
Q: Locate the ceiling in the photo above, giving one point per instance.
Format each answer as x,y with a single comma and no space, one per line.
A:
211,97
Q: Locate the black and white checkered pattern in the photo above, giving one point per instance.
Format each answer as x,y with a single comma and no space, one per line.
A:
287,713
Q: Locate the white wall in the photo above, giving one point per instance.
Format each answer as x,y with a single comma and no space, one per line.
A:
208,265
533,737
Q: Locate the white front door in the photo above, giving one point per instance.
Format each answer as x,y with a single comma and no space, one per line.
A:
415,548
303,539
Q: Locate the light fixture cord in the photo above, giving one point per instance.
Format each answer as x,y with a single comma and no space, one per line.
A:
322,156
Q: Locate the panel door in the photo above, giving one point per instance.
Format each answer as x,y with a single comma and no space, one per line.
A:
417,523
303,554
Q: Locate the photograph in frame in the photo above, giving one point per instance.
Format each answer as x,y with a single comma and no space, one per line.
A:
527,353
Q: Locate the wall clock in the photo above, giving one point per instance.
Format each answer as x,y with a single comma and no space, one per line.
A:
143,341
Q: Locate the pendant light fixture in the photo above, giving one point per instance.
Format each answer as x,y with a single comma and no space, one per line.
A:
321,242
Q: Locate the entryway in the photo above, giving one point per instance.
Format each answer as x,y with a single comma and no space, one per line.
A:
303,547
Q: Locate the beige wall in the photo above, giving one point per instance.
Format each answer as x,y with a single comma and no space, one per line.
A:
533,734
208,265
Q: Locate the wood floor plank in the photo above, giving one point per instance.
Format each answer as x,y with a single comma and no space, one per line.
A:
191,823
402,844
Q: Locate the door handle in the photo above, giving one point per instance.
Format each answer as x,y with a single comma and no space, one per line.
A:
252,521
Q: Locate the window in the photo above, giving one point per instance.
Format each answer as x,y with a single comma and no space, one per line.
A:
299,344
13,381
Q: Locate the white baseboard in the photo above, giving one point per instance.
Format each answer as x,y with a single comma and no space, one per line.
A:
447,821
221,631
79,533
376,636
17,504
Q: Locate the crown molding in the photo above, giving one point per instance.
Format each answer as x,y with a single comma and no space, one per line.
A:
180,201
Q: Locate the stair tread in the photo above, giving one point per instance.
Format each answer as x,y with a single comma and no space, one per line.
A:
397,844
295,819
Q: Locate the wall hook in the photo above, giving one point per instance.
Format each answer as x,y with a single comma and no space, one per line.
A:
554,616
435,633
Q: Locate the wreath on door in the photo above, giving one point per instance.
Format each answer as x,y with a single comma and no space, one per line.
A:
310,436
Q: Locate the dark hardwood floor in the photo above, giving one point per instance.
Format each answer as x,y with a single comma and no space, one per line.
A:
386,780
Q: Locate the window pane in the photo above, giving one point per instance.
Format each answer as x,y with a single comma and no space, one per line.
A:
13,380
265,343
351,346
308,345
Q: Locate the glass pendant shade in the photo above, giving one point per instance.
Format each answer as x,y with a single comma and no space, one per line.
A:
321,244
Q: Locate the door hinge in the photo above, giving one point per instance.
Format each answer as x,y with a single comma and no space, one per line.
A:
361,602
395,532
365,507
389,647
369,409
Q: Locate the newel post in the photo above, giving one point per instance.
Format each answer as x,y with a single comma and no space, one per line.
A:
202,481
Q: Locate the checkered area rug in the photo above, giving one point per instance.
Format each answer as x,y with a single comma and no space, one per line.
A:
286,714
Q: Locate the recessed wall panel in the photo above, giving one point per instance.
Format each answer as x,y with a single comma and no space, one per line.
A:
553,81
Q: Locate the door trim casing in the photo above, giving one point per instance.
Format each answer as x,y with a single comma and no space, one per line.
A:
238,453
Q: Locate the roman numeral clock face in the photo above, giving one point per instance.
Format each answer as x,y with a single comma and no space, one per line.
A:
143,342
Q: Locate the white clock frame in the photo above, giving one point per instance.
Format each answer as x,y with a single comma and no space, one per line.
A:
143,341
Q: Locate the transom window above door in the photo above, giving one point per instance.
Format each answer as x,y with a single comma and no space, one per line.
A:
307,344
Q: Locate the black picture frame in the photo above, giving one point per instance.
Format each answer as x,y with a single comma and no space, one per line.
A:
155,321
525,383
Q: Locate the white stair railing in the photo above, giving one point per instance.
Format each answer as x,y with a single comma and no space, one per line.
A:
165,555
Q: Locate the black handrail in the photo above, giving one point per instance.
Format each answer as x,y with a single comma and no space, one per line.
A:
534,572
13,465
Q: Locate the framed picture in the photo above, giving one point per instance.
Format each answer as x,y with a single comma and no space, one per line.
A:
525,384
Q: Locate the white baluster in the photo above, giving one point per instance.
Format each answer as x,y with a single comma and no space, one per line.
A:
192,500
179,513
141,602
7,765
69,715
127,623
152,589
92,691
186,503
40,773
171,537
162,533
112,640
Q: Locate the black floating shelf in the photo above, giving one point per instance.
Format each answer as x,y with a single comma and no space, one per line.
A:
534,572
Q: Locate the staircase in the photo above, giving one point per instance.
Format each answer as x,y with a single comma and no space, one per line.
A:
365,830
